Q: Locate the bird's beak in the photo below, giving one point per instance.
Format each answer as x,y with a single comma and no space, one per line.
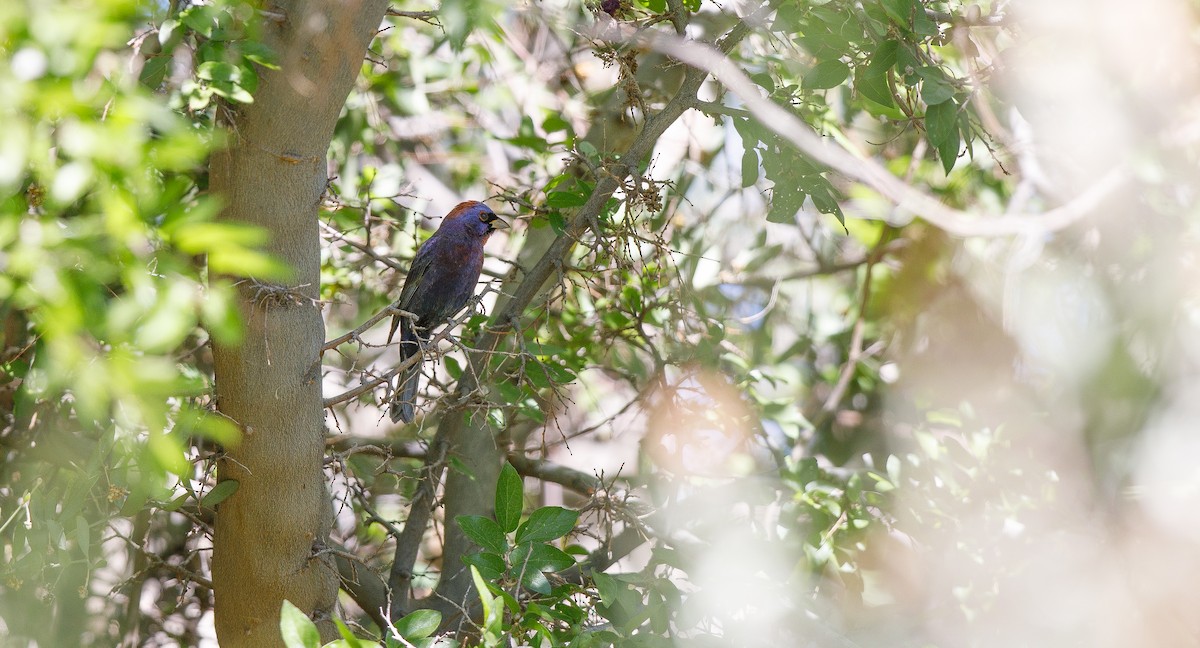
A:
496,223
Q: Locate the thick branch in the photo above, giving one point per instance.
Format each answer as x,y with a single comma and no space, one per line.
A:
364,586
859,167
272,176
420,510
575,480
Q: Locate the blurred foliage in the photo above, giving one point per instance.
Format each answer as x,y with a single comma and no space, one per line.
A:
107,240
795,399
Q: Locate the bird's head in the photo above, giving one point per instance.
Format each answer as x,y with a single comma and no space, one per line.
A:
475,218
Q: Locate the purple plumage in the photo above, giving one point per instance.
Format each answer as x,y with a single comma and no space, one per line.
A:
442,278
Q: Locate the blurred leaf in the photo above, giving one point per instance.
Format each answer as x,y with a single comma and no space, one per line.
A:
154,71
83,535
259,53
462,17
168,453
749,167
200,18
554,123
826,74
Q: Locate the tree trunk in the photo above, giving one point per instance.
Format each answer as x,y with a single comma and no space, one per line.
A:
270,533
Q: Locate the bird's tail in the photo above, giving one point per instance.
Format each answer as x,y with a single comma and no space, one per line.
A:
405,395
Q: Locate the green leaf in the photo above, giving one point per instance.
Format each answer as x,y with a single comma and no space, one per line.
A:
510,498
825,202
484,531
826,74
941,129
900,11
491,614
872,81
934,87
297,629
923,25
418,624
547,523
174,504
168,453
154,71
489,564
83,535
453,367
219,71
749,166
232,92
608,587
542,557
244,262
259,54
461,17
588,150
786,200
169,34
561,199
200,18
219,493
459,466
554,123
207,237
536,581
348,639
557,222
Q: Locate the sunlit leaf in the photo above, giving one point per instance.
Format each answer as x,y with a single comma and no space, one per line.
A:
297,630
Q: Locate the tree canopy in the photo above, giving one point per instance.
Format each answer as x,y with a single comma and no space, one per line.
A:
819,322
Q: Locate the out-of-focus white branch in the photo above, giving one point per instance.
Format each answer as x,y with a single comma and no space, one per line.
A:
862,168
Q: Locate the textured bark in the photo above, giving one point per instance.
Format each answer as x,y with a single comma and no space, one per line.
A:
270,533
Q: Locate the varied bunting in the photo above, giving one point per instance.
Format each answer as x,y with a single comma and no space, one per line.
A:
441,279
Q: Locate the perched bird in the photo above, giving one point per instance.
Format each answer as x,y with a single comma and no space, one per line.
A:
441,279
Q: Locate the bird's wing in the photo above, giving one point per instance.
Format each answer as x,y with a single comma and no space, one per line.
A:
420,265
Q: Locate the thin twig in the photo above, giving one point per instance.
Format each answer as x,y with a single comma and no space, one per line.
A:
375,319
430,17
430,351
569,478
854,354
361,247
